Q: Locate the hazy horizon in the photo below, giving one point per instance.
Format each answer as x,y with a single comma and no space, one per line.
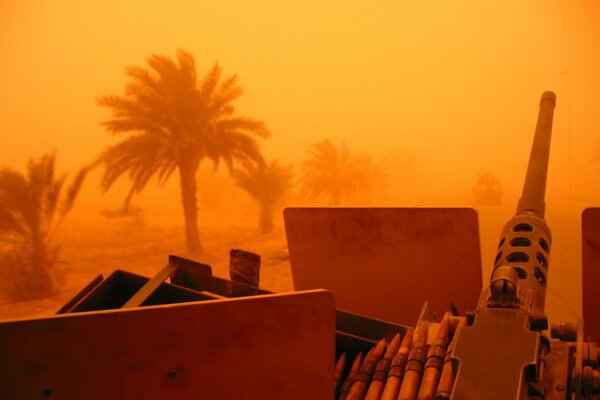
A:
456,85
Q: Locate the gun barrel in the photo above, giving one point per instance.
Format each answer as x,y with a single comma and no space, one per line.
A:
524,249
534,189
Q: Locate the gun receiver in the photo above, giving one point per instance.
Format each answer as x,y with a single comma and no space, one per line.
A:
504,331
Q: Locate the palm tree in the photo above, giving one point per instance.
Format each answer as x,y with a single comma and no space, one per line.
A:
333,173
33,207
266,184
173,122
329,172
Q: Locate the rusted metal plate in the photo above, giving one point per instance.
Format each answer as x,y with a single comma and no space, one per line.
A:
264,347
385,262
590,224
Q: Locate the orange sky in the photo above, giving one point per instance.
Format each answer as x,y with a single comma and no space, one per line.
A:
455,84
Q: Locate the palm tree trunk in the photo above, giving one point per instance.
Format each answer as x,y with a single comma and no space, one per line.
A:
187,175
41,282
265,222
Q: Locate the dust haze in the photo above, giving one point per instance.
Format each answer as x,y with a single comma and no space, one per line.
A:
436,94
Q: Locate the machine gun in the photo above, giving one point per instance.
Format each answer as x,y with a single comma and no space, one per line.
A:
505,334
504,349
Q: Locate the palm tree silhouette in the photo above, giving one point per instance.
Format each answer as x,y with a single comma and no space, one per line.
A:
329,172
33,207
266,184
174,122
332,173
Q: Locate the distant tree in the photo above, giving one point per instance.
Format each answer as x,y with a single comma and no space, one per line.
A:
34,205
372,176
173,122
266,184
329,172
332,173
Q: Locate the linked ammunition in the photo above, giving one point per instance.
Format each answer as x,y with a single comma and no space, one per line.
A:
448,372
414,366
405,369
350,377
435,362
381,371
363,376
339,371
396,373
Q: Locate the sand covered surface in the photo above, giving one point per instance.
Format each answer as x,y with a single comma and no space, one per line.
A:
94,245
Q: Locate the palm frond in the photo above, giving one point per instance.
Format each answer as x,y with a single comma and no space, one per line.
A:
266,183
14,197
235,146
210,82
50,203
129,115
245,125
166,69
330,172
73,191
144,82
139,156
187,68
40,174
29,219
219,102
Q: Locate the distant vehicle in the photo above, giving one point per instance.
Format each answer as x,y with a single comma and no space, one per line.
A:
488,189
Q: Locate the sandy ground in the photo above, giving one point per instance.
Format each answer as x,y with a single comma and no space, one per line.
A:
94,246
